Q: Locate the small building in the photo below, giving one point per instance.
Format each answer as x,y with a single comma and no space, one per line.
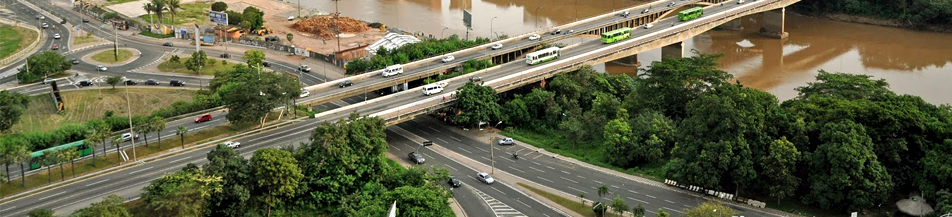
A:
392,41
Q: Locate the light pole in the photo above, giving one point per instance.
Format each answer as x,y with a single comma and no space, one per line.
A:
491,29
492,149
576,10
444,30
537,16
131,132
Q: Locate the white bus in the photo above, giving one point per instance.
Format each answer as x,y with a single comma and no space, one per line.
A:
543,55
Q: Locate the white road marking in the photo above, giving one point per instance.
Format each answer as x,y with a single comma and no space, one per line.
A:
444,141
134,172
177,160
94,183
576,189
454,138
566,179
520,171
434,129
645,202
669,201
530,167
652,197
44,198
545,179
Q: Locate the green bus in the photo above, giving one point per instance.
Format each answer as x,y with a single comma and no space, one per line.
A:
616,35
689,14
37,160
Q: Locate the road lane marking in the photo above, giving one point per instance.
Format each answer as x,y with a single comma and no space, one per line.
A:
537,163
596,181
669,201
94,183
444,141
485,158
434,129
398,149
645,202
481,149
566,173
551,168
177,160
633,192
674,210
580,177
520,171
494,188
530,167
467,151
4,210
652,197
134,172
613,186
527,205
545,179
566,179
576,189
44,198
447,165
454,138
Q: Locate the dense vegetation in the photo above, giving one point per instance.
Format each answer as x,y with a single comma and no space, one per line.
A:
411,52
343,171
43,65
914,12
846,143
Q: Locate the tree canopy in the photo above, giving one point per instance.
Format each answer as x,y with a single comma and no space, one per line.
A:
42,65
477,103
12,105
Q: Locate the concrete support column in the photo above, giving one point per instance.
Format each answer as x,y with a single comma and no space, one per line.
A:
734,25
675,50
773,24
628,61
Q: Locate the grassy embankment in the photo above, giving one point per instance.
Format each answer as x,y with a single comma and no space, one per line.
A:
85,105
14,39
109,56
179,67
85,39
196,12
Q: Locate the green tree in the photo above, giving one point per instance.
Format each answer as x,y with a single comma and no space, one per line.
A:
254,16
15,150
111,206
646,138
157,124
779,168
41,213
710,209
234,18
661,213
182,193
936,168
159,8
845,86
98,134
117,141
196,62
477,103
49,157
619,205
143,128
149,8
667,86
943,201
113,81
233,200
277,175
638,211
251,96
42,65
219,6
426,200
602,191
845,173
12,105
254,58
172,6
290,36
181,131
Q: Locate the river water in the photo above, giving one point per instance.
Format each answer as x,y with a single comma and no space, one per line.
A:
913,62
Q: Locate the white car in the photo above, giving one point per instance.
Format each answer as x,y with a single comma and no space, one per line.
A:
127,137
648,25
534,37
507,141
56,36
101,68
485,178
304,93
232,144
497,46
290,18
448,58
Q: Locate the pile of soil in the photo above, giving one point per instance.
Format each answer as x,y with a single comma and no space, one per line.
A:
324,26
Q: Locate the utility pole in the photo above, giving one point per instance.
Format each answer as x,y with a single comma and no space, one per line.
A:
131,132
491,29
337,23
299,9
537,16
116,47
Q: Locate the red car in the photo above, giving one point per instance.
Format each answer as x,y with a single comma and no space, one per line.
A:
203,118
55,47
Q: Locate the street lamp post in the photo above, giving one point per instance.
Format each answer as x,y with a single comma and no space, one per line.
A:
492,148
537,16
444,30
491,29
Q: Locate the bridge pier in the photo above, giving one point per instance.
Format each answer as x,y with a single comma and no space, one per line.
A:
773,25
628,61
675,50
734,25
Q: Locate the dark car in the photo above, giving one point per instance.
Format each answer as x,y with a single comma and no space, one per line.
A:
85,20
556,31
203,118
85,83
417,158
130,82
176,83
75,61
151,82
167,44
224,55
345,83
454,182
266,64
475,79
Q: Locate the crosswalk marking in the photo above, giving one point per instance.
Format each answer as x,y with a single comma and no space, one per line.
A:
499,209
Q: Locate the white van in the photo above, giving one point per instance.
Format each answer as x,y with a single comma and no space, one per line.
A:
431,89
648,25
392,70
740,1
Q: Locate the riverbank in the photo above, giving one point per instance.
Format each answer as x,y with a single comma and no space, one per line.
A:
883,22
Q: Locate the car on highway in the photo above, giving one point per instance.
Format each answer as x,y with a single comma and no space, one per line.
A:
47,80
740,1
74,61
448,58
290,18
45,25
534,37
497,46
40,17
485,178
304,93
167,44
203,118
55,47
84,83
648,25
645,11
224,55
266,64
130,82
176,83
232,144
475,79
556,31
101,68
128,136
507,141
568,32
624,14
151,82
416,158
345,83
304,68
85,20
56,36
672,4
454,182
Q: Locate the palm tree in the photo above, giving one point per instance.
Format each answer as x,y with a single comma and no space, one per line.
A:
159,6
143,128
602,191
181,132
157,124
48,155
117,141
149,8
172,6
18,151
71,156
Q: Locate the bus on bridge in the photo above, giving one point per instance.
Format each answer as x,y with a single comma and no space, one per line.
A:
616,35
542,56
689,14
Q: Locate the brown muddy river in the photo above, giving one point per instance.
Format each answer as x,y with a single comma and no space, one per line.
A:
913,62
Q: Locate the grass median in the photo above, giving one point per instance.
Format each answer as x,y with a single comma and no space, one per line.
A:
574,205
84,105
196,12
109,56
15,39
209,69
87,39
43,178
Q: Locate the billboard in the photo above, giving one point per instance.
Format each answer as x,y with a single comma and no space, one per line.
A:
218,17
467,19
